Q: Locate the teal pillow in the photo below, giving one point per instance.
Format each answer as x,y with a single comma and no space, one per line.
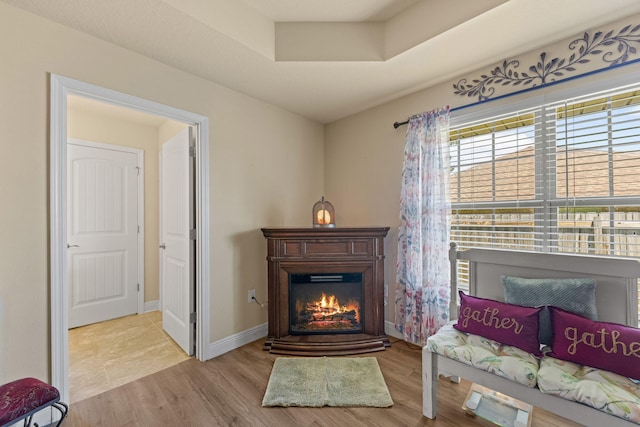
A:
577,296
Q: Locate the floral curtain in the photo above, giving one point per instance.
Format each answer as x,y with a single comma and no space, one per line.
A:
423,293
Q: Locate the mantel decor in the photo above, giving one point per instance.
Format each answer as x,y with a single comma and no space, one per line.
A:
324,215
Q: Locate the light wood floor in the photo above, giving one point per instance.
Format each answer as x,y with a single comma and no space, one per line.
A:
228,391
106,355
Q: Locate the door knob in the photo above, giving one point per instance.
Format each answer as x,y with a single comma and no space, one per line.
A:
163,246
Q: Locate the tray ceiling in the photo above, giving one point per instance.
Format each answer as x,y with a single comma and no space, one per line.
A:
328,59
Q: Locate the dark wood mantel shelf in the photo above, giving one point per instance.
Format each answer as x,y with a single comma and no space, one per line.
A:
318,251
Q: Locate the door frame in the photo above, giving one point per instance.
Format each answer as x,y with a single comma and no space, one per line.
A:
139,153
60,88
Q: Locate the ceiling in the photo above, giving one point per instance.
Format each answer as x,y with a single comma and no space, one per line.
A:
328,59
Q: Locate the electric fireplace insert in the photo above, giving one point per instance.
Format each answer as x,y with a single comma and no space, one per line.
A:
325,303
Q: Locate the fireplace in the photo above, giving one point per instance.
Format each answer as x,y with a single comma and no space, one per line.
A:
326,290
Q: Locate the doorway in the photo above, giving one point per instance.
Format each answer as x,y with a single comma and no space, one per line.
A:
61,87
116,333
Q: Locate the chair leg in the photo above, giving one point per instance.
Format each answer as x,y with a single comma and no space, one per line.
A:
64,410
60,406
429,383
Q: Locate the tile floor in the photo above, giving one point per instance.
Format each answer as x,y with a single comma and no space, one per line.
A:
109,354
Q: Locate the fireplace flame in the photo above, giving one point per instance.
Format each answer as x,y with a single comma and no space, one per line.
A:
330,307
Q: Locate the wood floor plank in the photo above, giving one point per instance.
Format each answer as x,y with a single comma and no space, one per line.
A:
228,391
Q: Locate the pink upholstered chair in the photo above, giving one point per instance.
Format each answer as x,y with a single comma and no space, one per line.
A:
21,399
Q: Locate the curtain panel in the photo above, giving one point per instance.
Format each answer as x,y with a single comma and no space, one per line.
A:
423,292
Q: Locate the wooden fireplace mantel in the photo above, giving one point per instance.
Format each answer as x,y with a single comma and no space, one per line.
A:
318,251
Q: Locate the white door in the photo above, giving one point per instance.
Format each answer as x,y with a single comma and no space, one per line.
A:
176,246
102,233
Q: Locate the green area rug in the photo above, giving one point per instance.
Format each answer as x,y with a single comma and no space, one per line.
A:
327,381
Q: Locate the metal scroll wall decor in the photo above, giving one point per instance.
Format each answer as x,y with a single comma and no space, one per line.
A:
594,51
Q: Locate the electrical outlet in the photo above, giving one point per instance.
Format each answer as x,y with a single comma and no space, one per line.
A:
251,295
386,290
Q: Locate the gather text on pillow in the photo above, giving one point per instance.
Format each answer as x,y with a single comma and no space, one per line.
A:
600,340
490,317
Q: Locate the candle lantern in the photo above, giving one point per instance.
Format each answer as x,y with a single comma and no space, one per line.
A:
323,214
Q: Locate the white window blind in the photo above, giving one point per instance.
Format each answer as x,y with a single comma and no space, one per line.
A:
560,177
493,182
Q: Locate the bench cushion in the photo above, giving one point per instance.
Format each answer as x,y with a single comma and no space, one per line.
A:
607,391
482,353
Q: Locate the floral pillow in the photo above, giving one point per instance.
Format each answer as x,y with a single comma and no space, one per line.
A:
609,346
506,323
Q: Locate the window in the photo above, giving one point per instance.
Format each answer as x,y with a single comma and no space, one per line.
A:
559,177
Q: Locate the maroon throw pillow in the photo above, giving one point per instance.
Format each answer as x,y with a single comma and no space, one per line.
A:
509,324
609,346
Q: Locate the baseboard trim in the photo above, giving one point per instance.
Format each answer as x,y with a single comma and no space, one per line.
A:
390,329
232,342
151,306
